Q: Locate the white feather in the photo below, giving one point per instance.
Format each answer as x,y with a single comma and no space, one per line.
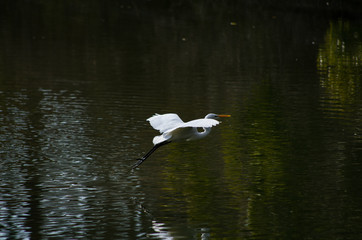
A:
173,128
165,122
160,139
201,123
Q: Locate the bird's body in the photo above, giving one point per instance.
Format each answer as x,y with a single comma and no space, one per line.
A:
173,129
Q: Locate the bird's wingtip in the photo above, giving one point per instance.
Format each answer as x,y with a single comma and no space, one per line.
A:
154,115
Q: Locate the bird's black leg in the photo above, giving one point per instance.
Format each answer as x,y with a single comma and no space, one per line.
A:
142,159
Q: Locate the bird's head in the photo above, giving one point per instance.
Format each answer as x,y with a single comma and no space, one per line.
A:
216,116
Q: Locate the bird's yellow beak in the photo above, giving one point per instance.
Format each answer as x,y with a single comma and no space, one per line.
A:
224,115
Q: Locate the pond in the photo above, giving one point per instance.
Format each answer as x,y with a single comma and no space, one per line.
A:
78,81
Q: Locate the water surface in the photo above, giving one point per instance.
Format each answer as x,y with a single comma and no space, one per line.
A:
78,81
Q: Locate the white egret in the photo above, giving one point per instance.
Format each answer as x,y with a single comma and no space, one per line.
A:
173,129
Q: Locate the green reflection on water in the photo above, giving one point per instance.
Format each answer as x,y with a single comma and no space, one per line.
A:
339,61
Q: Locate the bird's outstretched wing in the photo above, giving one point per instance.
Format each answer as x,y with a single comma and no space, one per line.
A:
201,123
186,131
165,122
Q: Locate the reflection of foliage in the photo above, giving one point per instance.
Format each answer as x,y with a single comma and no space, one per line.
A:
339,61
261,138
267,149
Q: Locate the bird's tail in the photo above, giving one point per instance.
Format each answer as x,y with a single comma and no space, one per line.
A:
159,139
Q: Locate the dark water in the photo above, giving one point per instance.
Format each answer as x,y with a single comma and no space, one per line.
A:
78,80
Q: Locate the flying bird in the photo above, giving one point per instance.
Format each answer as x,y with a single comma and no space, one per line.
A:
173,129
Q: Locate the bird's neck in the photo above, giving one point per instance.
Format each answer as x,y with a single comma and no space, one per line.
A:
199,134
204,133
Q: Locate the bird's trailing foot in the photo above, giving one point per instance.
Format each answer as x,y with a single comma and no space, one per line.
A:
142,159
139,162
